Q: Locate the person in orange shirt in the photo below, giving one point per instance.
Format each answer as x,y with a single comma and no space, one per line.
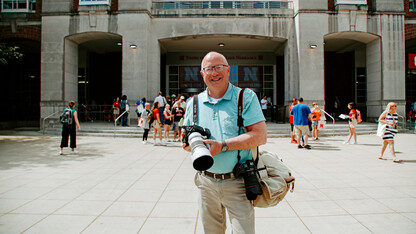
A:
316,117
294,102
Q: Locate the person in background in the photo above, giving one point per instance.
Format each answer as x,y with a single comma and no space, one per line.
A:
168,121
292,135
316,117
116,109
140,107
70,130
172,100
301,115
352,123
162,102
178,113
391,118
146,123
123,107
264,103
157,124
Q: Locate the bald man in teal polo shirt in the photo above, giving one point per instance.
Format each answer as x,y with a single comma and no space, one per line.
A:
219,190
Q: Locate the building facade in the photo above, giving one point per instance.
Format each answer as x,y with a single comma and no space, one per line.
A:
96,50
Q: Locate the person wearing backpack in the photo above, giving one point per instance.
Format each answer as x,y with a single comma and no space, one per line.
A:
219,191
69,131
352,123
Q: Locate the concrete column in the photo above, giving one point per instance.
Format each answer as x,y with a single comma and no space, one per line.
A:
310,32
374,79
54,30
71,71
140,66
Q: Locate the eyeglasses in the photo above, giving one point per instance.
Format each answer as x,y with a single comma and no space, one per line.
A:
217,68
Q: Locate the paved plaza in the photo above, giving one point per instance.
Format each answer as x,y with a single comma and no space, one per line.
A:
119,185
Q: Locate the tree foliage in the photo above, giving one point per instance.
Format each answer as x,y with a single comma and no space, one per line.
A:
8,53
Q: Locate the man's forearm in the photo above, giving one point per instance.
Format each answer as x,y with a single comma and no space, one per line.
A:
256,136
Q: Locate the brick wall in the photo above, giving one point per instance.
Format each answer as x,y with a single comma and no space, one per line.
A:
410,31
32,32
409,14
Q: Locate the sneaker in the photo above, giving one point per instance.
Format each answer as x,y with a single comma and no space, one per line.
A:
346,143
300,147
61,152
307,147
355,143
144,142
74,152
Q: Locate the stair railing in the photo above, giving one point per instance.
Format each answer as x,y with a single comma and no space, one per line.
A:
47,117
333,121
404,121
115,121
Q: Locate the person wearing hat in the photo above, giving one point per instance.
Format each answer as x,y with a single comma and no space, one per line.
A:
181,103
172,99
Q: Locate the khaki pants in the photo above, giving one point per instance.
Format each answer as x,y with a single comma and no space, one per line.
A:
215,196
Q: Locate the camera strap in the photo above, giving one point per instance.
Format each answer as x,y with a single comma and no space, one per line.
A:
195,108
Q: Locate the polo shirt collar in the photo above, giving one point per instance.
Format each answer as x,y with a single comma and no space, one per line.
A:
227,96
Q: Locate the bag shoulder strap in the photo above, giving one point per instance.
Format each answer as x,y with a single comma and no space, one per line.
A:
240,123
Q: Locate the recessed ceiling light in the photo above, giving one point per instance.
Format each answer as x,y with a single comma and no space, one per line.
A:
221,44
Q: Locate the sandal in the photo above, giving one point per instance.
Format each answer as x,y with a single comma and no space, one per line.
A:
381,158
397,160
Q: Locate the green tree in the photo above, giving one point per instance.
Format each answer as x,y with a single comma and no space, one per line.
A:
8,53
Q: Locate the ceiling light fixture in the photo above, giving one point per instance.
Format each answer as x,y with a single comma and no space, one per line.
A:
313,46
119,43
132,46
221,44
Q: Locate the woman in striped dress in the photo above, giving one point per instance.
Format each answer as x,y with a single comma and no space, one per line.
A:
391,118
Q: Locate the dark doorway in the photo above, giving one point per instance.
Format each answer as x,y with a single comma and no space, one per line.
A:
339,80
20,88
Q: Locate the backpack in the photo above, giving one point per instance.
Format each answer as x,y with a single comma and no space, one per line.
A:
66,117
274,176
359,119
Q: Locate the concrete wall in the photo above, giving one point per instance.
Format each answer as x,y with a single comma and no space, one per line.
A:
134,5
388,5
56,6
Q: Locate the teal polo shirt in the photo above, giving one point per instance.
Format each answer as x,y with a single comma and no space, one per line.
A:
221,119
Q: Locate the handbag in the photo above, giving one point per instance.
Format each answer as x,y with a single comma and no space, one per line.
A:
275,179
141,121
274,176
381,129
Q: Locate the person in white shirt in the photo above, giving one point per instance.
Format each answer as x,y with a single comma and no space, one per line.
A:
264,103
162,101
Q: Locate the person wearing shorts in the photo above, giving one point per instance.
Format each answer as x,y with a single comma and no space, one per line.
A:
316,117
178,113
301,115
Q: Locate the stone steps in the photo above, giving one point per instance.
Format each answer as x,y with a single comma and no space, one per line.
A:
273,130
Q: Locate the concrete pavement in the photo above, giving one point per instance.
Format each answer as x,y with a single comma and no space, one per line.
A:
118,185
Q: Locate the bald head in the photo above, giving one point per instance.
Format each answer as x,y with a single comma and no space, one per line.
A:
213,55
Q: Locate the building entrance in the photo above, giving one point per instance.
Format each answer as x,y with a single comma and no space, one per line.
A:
20,86
99,76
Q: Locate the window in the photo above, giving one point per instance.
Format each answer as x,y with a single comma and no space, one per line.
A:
94,2
18,5
412,5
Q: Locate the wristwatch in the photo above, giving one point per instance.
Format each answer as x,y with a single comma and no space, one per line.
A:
224,147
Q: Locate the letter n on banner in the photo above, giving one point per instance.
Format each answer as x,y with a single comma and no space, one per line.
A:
412,61
250,76
190,77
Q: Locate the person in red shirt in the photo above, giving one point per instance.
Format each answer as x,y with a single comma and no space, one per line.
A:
116,109
352,122
292,136
157,124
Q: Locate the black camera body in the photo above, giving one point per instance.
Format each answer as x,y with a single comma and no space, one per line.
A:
194,128
251,182
194,138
